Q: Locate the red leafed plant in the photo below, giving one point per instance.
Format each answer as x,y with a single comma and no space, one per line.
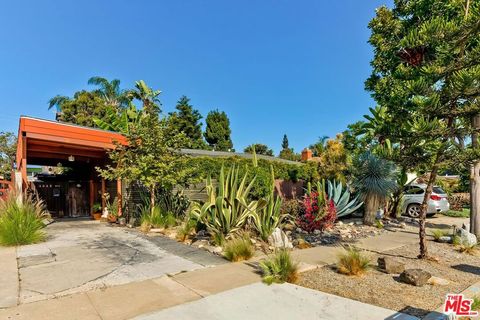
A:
319,213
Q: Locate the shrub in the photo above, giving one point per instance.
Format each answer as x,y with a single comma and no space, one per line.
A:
291,208
186,229
174,202
279,268
458,201
476,303
21,222
438,233
353,262
227,208
239,249
456,240
156,218
318,212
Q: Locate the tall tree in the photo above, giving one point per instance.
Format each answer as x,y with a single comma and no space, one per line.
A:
217,132
147,96
259,149
81,109
110,92
8,148
285,144
319,146
187,120
426,72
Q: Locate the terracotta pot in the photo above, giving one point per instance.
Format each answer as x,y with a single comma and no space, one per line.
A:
97,215
112,219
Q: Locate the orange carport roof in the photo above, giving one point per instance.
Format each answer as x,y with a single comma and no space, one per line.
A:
42,140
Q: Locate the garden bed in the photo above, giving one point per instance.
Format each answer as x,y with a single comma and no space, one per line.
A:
385,290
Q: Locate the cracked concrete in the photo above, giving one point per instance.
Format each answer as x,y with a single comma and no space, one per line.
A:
80,256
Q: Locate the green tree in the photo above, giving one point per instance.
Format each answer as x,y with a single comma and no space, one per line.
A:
8,149
152,155
147,96
187,120
81,109
259,149
285,144
426,68
110,92
319,146
217,132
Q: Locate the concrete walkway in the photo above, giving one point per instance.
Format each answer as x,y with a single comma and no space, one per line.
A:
8,277
285,301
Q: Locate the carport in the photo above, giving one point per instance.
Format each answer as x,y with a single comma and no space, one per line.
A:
50,143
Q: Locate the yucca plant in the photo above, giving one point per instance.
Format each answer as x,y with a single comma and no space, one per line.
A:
353,262
375,179
239,248
21,220
227,207
341,198
268,216
279,268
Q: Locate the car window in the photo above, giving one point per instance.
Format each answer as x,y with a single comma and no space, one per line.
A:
438,190
413,190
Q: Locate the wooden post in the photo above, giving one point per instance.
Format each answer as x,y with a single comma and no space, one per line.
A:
23,165
91,196
103,195
119,196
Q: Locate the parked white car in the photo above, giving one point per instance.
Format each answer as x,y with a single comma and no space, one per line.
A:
413,197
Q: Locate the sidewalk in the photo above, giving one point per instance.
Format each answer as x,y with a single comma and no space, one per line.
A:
134,299
8,277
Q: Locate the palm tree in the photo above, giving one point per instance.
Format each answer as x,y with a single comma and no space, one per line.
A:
319,146
146,95
375,179
110,91
57,102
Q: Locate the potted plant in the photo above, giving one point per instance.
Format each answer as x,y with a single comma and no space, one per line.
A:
112,208
97,211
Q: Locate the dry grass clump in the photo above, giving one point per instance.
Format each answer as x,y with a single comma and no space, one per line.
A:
279,268
353,262
239,249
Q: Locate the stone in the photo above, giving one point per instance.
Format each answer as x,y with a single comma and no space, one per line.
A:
436,281
359,223
299,230
350,223
415,277
157,230
316,231
278,239
217,250
253,241
466,238
445,239
289,227
390,265
339,223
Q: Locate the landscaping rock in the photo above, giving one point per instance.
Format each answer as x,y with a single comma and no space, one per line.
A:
279,239
339,223
466,238
157,230
436,281
390,265
316,231
415,277
445,239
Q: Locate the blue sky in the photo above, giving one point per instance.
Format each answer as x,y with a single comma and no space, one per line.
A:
274,66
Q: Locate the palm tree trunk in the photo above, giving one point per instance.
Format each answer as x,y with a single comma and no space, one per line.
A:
475,182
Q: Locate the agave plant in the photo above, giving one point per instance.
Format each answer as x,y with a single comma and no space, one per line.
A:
227,207
341,199
268,215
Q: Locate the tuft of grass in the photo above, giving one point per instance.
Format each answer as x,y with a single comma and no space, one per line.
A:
379,224
476,303
438,233
279,268
21,221
469,249
186,229
353,262
239,249
456,240
464,213
156,219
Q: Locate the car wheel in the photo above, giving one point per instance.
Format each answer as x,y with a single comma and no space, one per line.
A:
413,210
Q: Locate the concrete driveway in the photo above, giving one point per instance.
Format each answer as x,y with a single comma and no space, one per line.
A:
83,255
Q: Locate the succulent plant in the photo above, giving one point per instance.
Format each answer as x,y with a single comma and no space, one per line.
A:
341,197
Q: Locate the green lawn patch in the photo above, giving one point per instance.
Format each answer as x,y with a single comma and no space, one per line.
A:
465,213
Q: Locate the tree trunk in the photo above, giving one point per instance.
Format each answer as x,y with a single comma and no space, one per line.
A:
371,206
423,213
475,182
152,198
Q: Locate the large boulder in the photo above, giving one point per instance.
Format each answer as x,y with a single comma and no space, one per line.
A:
279,239
416,277
390,265
466,238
